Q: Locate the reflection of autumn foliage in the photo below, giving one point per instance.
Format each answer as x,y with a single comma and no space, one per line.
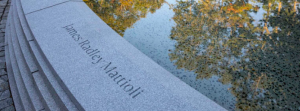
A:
260,61
236,8
122,14
206,33
273,72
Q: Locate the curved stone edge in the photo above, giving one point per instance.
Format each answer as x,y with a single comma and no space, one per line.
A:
22,64
38,79
61,97
171,84
27,104
31,68
13,86
22,39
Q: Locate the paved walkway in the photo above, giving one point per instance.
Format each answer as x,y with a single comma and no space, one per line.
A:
6,101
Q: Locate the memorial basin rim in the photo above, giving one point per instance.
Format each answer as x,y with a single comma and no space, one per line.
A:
95,67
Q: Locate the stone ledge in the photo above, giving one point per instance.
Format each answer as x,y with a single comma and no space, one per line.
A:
90,64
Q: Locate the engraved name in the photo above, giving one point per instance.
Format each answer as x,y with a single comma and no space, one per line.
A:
110,70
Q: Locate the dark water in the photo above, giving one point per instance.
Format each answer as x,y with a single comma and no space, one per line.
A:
243,54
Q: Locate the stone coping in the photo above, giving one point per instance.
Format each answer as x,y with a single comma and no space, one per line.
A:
78,62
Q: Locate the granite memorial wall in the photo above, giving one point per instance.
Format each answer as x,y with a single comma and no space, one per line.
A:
62,56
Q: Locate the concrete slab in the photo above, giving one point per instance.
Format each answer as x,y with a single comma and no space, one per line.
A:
103,71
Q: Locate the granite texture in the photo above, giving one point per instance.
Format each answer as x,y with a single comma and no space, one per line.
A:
47,76
90,83
23,21
30,6
13,85
54,97
27,104
43,85
25,49
23,66
47,96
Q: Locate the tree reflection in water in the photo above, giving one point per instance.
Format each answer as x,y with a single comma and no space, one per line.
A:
122,14
260,59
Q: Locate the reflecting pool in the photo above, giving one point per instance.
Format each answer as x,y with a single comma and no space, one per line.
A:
243,54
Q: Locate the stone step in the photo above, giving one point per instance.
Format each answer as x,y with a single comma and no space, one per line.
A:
61,98
25,72
47,74
27,104
49,101
46,95
48,98
7,29
42,89
12,83
23,21
23,42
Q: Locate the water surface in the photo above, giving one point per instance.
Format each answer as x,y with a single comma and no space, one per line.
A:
242,54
